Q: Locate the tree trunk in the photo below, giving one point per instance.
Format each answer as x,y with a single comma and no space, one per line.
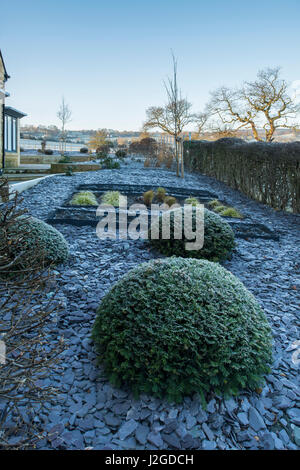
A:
182,161
176,157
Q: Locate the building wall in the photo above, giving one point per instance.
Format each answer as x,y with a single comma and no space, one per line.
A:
12,159
2,86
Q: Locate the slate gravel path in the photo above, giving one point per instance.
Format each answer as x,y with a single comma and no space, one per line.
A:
89,412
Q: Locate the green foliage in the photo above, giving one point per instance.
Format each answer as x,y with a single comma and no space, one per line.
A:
84,150
39,234
220,208
170,200
218,237
84,198
214,203
148,197
110,164
121,153
160,194
193,201
113,198
174,327
231,212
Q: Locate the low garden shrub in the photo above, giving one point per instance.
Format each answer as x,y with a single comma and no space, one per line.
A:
36,233
218,237
84,150
48,152
110,164
84,198
121,153
174,327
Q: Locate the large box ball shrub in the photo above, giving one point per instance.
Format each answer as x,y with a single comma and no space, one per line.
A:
38,234
218,237
176,326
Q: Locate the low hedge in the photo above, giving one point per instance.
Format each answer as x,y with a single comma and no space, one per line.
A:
266,172
176,326
218,237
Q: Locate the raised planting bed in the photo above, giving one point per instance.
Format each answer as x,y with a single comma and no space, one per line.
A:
63,167
86,215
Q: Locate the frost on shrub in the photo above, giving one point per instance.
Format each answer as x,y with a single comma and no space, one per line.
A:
177,326
218,237
34,232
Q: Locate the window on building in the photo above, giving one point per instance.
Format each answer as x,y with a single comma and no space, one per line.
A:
10,134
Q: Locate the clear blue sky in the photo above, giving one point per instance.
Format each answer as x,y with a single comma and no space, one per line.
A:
109,58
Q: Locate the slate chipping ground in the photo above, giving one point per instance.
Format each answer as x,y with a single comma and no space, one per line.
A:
91,413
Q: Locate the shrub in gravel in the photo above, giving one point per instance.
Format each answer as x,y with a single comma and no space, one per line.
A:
218,236
113,198
160,194
173,327
192,200
170,200
84,150
37,233
148,197
231,212
84,198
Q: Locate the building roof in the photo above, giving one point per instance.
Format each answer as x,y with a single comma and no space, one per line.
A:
6,76
13,112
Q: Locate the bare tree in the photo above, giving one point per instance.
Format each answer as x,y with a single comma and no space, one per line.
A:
264,103
173,117
64,114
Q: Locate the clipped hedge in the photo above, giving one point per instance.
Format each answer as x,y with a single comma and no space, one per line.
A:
175,326
39,234
266,172
218,237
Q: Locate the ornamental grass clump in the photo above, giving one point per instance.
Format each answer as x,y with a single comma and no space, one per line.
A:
84,198
170,200
173,327
218,236
193,201
160,194
148,197
231,212
113,198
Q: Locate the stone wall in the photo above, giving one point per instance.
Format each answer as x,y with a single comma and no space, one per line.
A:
63,167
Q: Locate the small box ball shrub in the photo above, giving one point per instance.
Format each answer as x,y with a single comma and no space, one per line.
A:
218,237
84,198
48,152
84,150
177,326
37,233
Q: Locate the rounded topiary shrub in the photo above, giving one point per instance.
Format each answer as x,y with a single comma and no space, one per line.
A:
38,235
218,236
176,326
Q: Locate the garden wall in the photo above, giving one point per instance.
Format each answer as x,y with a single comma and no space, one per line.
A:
266,172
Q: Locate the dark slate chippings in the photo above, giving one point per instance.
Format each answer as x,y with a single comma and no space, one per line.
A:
91,413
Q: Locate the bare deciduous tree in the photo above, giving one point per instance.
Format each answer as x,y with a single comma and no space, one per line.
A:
173,117
64,114
264,103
